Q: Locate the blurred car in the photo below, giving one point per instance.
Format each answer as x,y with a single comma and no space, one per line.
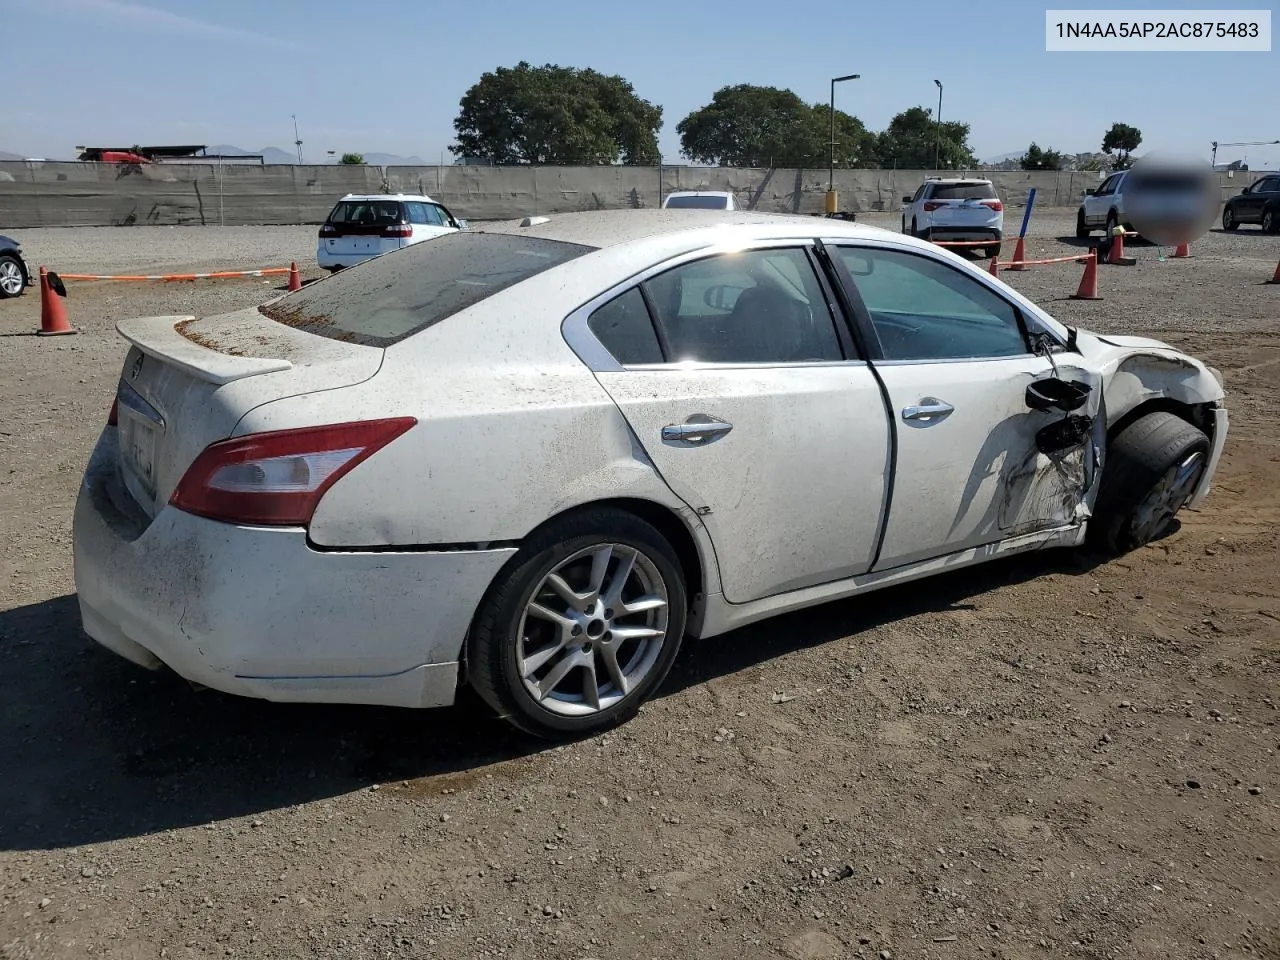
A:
530,458
14,275
1153,200
361,227
1257,203
699,200
956,209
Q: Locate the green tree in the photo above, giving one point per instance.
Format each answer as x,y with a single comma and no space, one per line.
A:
751,126
352,159
1123,138
1037,158
556,115
909,141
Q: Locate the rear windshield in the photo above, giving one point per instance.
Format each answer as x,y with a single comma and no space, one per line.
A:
963,191
368,211
698,203
388,298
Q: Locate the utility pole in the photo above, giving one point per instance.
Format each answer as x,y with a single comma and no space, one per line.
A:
832,201
937,140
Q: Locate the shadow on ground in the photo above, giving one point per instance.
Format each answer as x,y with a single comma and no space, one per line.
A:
96,749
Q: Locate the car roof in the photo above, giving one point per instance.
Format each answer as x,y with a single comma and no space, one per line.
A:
956,180
700,193
608,228
388,196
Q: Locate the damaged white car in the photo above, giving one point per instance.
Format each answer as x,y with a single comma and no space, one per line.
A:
534,456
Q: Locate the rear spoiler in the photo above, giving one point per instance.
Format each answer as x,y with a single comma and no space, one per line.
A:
160,337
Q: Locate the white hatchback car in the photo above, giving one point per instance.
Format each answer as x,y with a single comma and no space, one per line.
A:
956,209
699,200
531,458
363,226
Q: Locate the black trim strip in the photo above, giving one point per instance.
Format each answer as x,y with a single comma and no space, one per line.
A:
855,310
474,547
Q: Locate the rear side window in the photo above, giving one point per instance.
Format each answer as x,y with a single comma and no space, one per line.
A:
426,213
1164,182
388,298
625,328
963,191
369,212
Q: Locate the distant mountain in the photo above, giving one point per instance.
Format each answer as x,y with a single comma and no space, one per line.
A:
276,155
11,156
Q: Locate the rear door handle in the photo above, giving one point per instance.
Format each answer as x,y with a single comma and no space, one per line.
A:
698,430
928,410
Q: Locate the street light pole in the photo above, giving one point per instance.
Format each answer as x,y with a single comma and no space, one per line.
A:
832,204
937,138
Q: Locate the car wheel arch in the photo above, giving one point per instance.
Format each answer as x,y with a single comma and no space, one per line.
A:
1199,415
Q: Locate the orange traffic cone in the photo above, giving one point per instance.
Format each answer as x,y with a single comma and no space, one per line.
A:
1276,278
295,278
1019,254
994,269
53,315
1088,289
1183,250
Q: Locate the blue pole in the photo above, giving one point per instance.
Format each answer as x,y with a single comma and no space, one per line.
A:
1026,214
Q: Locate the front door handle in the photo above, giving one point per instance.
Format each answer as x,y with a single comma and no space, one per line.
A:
928,410
698,430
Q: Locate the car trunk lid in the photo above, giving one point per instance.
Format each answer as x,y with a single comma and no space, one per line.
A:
187,382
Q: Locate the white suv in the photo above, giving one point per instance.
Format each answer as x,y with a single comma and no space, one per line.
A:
366,225
955,209
699,200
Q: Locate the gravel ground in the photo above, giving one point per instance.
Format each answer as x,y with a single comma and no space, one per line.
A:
1045,757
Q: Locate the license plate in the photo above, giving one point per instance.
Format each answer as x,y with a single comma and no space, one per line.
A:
138,449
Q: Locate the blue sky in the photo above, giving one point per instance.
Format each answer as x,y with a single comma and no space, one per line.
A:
388,76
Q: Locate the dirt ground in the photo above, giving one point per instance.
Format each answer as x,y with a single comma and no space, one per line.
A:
1044,757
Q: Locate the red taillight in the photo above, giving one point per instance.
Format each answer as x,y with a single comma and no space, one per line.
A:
398,230
113,415
278,478
995,205
328,230
932,205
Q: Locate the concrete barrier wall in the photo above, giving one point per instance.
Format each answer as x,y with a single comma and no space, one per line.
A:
45,194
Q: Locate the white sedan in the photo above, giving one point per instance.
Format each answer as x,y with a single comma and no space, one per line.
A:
532,457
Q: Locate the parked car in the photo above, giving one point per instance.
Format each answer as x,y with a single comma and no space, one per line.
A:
14,275
531,458
699,200
1257,203
956,209
1154,200
364,226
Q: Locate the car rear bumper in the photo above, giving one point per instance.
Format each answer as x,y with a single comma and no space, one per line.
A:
257,612
966,233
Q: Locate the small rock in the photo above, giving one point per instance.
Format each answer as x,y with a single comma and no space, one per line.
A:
376,787
845,872
1254,791
885,955
88,872
45,902
1193,784
256,824
1125,705
445,818
1215,713
864,940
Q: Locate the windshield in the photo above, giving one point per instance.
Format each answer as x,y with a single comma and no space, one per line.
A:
698,203
388,298
367,211
963,191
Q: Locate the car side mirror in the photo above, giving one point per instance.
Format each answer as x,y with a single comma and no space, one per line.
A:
906,199
1052,393
460,223
1091,192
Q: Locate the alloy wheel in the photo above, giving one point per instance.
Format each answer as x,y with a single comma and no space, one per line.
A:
1167,497
11,279
592,630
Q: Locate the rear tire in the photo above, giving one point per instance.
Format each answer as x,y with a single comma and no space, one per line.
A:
13,276
1112,222
556,648
1270,220
1082,228
1153,468
1229,221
